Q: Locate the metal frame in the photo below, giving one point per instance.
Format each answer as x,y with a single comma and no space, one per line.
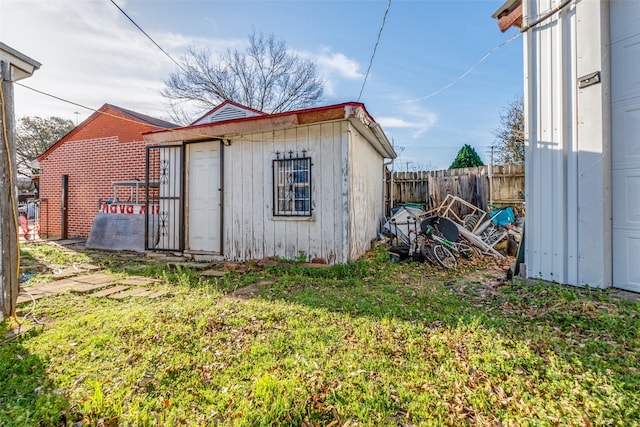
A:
164,223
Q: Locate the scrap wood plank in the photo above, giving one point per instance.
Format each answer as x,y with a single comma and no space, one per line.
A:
84,288
144,293
56,287
129,293
138,281
96,278
22,298
109,291
157,294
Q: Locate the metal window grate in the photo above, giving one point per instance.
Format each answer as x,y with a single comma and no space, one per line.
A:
292,186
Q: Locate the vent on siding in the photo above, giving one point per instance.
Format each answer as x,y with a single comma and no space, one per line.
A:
230,113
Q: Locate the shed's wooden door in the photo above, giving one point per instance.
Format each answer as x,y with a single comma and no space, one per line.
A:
625,167
204,196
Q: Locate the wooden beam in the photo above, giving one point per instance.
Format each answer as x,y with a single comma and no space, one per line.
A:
9,283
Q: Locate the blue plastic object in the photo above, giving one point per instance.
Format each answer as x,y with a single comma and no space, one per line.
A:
502,217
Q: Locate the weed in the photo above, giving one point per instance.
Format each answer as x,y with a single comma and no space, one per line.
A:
367,343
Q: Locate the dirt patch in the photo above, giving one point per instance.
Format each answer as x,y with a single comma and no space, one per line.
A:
246,292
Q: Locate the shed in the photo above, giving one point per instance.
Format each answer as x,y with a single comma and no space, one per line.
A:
78,172
300,184
582,109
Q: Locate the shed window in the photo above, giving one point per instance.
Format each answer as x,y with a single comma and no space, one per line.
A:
292,187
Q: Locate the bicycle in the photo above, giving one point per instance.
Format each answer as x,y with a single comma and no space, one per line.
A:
441,246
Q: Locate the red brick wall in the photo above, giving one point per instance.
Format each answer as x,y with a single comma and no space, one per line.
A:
106,149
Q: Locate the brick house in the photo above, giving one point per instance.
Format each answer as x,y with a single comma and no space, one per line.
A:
106,147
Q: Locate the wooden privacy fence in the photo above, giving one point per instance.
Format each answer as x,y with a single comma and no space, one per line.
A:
501,185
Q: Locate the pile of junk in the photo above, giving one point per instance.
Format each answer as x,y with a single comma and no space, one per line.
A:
454,230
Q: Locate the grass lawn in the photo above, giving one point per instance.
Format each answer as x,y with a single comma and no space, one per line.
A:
372,343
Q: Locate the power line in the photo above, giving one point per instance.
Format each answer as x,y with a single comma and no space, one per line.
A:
148,36
81,106
375,47
466,73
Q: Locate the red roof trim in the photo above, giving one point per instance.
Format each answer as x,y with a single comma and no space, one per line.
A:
268,116
510,18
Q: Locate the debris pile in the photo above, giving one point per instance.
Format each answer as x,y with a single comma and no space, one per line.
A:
443,234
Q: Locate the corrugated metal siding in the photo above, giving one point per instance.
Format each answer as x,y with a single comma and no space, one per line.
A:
565,161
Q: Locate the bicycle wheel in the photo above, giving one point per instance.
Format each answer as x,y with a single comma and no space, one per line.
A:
464,250
444,257
427,253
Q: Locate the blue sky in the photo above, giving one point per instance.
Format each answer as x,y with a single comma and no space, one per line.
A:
91,54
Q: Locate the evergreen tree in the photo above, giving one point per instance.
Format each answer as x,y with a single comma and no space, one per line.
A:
466,158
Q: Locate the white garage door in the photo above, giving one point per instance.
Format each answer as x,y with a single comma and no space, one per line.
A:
625,93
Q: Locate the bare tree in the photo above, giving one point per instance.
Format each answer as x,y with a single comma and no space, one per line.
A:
510,135
34,135
266,77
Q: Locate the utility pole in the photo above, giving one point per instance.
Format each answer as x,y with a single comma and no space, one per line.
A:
8,199
13,66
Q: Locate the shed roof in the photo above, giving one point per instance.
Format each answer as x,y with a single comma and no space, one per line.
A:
351,111
509,14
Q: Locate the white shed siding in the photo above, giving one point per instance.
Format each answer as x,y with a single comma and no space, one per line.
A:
367,198
251,231
567,148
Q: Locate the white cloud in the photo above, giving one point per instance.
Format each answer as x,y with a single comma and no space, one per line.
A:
334,67
418,120
338,64
91,54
